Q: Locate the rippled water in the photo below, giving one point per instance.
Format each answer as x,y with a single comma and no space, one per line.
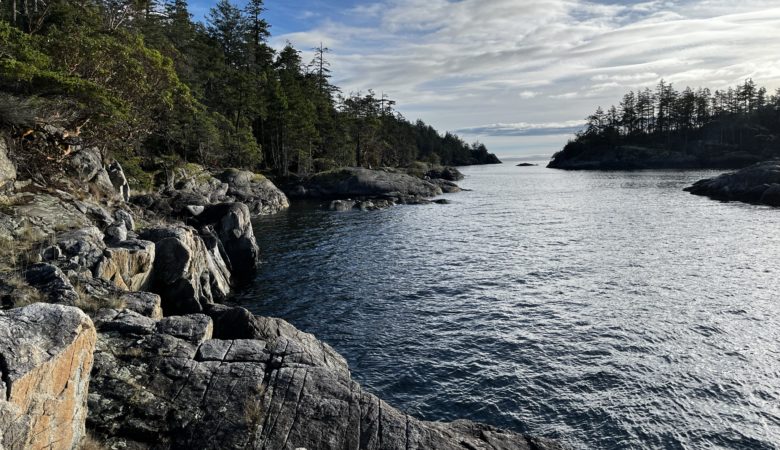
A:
608,310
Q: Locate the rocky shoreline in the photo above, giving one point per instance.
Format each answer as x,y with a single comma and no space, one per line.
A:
357,188
113,333
628,157
757,184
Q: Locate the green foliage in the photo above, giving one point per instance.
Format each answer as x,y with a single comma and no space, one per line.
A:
143,80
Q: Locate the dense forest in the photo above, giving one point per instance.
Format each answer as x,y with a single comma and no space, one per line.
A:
731,127
141,79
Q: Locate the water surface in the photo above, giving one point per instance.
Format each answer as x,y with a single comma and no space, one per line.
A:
608,310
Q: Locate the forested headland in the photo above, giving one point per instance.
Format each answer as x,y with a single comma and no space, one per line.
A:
667,128
145,82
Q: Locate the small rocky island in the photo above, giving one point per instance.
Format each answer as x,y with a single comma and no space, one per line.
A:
758,184
359,188
115,331
670,129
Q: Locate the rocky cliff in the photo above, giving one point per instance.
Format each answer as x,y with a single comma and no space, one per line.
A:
46,354
173,368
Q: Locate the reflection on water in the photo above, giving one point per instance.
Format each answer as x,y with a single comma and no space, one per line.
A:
604,309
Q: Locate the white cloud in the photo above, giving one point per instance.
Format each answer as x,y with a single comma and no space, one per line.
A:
524,129
454,63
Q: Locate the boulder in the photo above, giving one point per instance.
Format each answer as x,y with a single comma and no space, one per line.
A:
196,179
342,205
124,216
86,165
271,387
119,180
231,223
759,183
46,354
81,248
128,265
446,173
771,195
127,322
52,282
186,274
115,233
193,328
254,190
366,205
144,303
96,213
7,168
448,187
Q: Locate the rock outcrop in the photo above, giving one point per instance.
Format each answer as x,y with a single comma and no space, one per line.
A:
231,223
172,367
46,355
86,165
52,282
80,249
444,173
118,179
196,187
255,191
259,383
357,188
354,182
759,183
186,274
7,168
128,264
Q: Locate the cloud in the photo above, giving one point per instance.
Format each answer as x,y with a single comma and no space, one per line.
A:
457,62
528,94
524,129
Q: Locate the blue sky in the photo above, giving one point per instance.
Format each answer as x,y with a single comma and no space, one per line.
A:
520,75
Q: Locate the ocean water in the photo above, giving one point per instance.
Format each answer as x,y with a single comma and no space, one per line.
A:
604,309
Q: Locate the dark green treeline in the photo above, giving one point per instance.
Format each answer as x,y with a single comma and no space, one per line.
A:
744,118
142,79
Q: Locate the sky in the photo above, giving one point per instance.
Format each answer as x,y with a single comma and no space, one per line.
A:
521,75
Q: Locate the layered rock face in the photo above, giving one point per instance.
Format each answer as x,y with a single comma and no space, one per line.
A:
231,224
46,355
128,265
237,381
186,274
759,183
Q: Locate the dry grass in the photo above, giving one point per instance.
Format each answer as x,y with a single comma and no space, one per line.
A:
90,442
22,293
16,255
254,411
91,304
